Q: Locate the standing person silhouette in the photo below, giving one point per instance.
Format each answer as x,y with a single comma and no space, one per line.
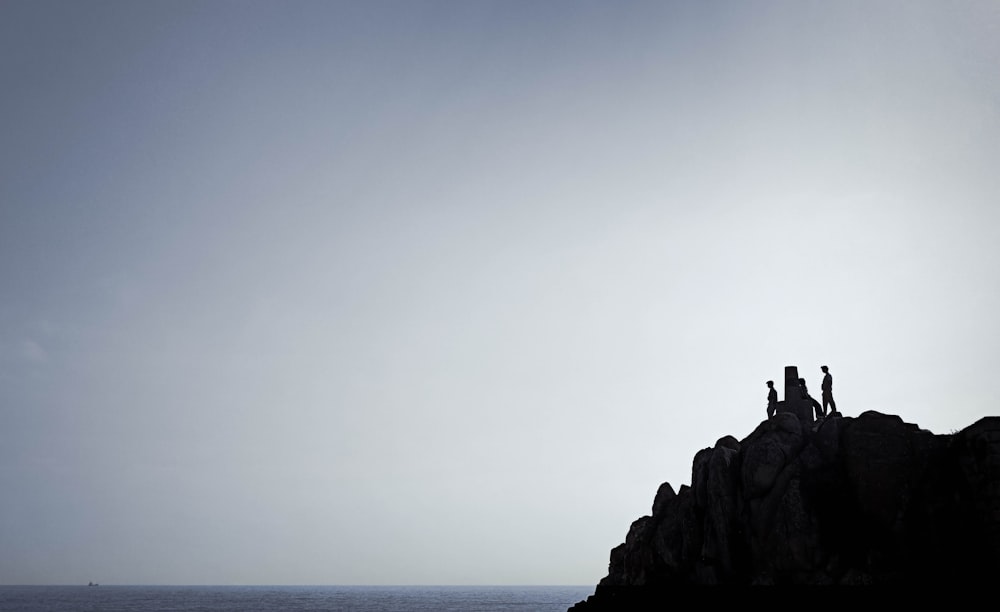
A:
772,399
828,390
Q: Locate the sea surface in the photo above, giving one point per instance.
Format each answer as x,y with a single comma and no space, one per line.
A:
111,598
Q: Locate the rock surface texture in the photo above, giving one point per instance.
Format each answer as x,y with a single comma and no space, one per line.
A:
868,500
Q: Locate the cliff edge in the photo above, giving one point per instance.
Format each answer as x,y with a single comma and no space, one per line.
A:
866,500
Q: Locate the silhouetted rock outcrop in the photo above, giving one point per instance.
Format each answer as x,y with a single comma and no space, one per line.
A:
868,500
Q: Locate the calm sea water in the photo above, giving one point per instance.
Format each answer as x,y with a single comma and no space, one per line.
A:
106,598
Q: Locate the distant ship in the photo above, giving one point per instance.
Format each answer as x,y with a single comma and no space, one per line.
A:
92,584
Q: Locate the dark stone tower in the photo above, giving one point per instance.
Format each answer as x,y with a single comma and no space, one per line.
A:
794,402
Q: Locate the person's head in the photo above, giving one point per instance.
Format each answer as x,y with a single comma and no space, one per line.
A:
770,383
824,368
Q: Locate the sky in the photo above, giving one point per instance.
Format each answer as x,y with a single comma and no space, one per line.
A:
440,292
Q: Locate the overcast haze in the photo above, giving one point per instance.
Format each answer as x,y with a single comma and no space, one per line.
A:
440,292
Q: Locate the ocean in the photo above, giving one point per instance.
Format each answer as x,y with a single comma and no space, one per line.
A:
110,598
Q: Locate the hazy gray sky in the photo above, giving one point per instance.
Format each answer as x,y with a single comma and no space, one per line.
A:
440,292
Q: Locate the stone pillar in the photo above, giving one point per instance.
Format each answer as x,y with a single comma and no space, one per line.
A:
793,396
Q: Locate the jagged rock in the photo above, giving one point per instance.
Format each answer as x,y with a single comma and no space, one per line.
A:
664,495
868,500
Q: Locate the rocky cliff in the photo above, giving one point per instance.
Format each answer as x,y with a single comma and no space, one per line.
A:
868,500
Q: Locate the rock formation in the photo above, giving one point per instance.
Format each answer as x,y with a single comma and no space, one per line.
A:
866,500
